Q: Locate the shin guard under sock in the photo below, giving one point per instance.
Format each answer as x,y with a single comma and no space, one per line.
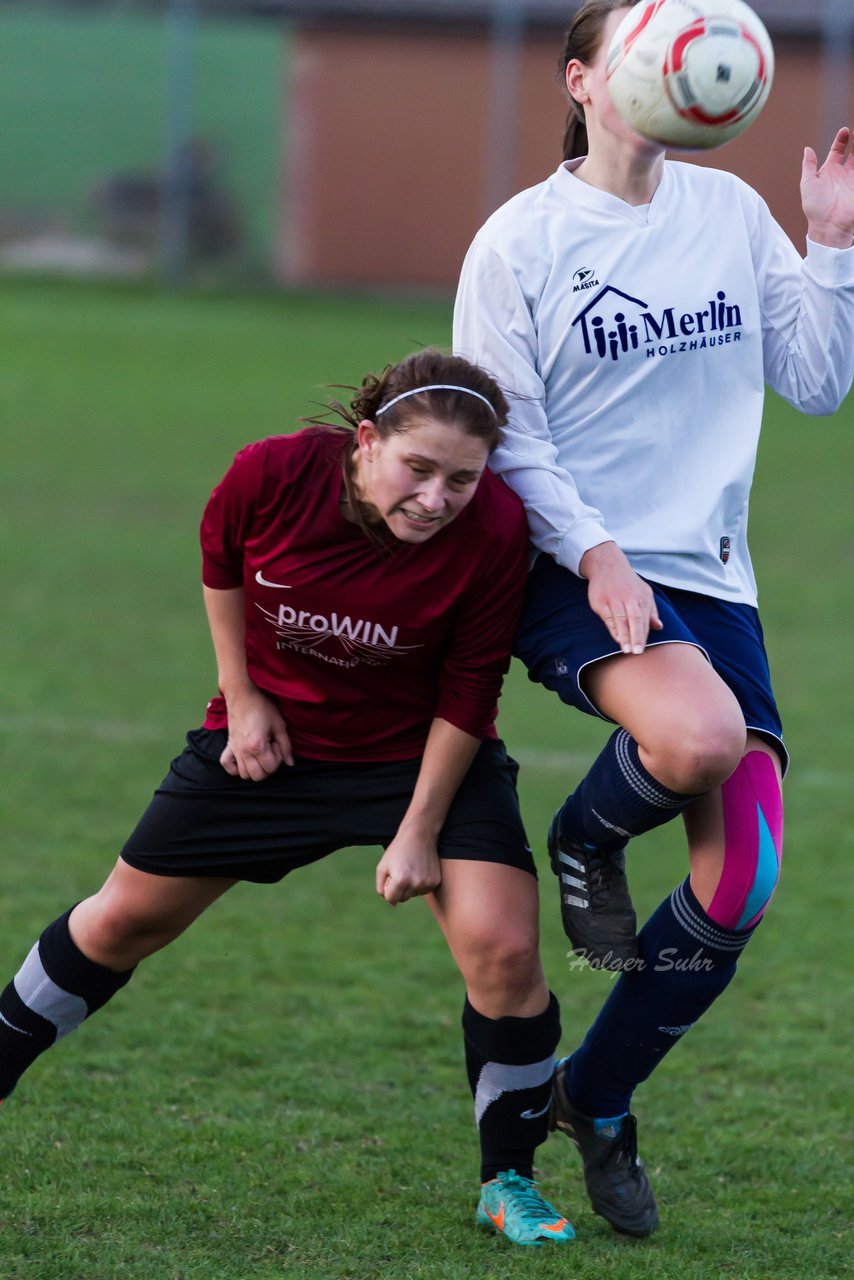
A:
686,961
510,1064
618,798
53,991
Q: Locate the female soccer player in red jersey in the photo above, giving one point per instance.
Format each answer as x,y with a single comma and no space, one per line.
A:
362,583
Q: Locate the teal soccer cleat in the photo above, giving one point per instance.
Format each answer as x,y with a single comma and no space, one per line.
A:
512,1204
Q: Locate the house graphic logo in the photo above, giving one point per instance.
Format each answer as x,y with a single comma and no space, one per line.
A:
606,327
615,324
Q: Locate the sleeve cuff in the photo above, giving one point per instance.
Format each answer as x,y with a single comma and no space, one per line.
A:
580,538
476,726
220,579
828,266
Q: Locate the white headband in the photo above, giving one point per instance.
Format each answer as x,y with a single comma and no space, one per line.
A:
436,386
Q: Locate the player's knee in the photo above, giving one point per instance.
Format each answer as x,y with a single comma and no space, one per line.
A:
118,936
509,963
713,755
753,821
701,754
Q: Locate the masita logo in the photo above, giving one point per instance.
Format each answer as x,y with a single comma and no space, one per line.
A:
584,278
615,324
337,639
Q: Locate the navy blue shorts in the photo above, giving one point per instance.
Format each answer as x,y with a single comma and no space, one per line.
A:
560,635
203,821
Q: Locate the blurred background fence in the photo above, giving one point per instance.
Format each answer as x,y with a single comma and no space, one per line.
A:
321,142
93,97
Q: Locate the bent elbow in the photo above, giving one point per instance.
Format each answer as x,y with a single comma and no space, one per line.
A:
818,399
823,403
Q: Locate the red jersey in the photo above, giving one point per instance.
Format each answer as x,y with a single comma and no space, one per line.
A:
359,647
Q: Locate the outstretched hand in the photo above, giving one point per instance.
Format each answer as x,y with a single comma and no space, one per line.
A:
827,193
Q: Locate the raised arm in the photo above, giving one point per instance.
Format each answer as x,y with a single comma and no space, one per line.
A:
808,305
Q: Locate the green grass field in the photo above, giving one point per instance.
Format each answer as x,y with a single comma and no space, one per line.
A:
281,1093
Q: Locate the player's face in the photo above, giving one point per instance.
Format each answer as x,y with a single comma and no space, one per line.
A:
587,83
419,480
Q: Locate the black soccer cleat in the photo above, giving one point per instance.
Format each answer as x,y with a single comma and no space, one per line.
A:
597,912
616,1180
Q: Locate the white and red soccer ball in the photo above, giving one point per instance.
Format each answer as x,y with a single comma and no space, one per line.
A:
690,73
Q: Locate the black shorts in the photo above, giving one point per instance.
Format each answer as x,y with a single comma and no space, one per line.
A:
202,821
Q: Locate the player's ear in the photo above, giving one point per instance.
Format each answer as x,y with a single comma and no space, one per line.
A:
575,72
367,437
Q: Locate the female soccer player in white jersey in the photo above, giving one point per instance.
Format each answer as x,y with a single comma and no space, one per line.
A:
638,306
362,583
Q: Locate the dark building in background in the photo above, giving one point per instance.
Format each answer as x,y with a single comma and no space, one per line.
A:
402,129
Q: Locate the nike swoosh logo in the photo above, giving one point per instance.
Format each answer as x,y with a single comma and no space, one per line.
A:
534,1115
497,1218
552,1226
281,586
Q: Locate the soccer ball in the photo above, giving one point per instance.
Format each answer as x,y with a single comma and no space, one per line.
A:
690,73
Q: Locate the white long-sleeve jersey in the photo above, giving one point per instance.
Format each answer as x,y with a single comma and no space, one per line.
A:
639,342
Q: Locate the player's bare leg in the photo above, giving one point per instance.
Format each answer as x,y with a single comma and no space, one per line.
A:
687,723
489,915
135,914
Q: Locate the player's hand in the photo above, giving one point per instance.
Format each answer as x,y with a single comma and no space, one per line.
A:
409,868
258,742
827,194
617,595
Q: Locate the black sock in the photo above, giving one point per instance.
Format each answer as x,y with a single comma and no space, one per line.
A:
686,961
23,1036
618,798
510,1064
53,991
